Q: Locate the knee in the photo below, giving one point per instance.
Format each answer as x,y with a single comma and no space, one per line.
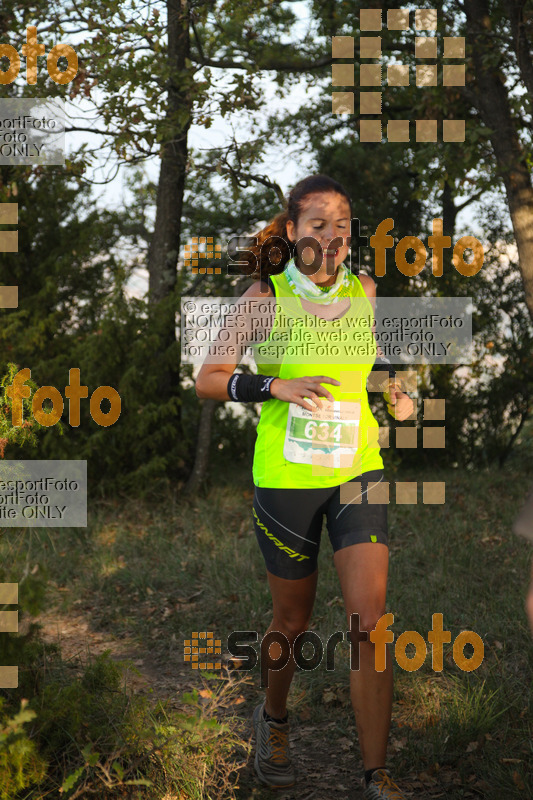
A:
368,619
291,626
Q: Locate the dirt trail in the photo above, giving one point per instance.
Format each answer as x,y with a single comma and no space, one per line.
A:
324,772
78,641
328,764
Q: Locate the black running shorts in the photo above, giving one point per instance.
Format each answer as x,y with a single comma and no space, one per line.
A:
288,523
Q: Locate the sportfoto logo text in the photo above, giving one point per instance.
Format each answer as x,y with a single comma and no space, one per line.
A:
245,657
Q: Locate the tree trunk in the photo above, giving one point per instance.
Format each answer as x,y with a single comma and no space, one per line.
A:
203,444
522,47
493,105
449,210
164,247
165,244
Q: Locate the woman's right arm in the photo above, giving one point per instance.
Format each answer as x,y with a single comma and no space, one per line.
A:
212,380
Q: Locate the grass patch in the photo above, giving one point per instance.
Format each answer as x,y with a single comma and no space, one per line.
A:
83,733
157,571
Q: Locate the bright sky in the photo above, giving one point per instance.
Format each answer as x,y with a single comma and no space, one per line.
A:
279,163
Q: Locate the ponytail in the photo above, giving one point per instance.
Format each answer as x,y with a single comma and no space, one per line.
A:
271,249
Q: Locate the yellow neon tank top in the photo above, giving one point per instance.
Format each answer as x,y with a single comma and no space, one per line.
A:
297,449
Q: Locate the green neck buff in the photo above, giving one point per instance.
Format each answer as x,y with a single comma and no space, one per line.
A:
304,287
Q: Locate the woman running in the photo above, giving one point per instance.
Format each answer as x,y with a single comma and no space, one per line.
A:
316,454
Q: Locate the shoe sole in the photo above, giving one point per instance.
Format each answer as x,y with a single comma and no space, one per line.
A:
264,781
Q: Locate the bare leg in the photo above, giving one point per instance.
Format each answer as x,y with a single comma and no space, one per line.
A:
362,570
292,602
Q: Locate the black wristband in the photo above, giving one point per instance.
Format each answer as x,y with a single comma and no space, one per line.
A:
250,388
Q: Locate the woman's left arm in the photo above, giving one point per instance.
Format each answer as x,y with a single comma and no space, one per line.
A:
399,405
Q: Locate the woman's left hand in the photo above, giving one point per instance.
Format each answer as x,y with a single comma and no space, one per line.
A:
399,405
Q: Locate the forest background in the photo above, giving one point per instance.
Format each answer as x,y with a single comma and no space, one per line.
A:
148,71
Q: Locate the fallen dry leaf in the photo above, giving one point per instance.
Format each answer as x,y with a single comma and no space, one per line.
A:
336,601
426,778
517,779
238,700
345,743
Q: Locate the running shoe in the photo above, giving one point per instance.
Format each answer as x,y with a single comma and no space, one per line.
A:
382,787
272,757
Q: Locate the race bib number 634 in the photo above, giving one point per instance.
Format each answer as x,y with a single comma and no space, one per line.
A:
331,430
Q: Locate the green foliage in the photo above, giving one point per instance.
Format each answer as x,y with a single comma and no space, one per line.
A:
70,713
10,434
78,313
472,709
75,262
489,401
21,765
202,749
91,735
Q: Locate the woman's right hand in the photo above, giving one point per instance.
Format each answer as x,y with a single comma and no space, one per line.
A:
295,390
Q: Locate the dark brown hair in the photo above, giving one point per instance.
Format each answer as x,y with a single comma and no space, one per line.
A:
260,264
